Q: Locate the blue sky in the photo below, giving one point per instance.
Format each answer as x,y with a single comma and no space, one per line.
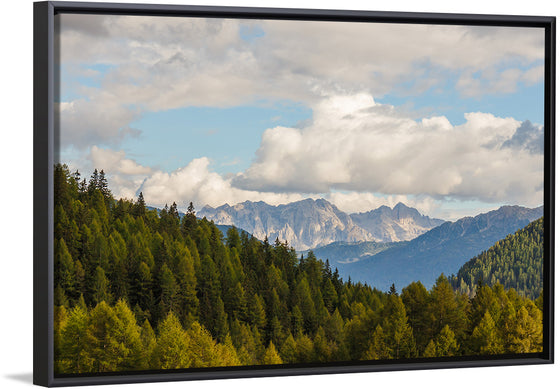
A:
526,104
228,136
214,111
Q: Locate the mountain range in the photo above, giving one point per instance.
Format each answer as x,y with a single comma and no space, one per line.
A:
443,249
372,247
312,223
396,224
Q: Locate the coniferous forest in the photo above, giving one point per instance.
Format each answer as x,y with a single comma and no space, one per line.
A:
140,289
515,262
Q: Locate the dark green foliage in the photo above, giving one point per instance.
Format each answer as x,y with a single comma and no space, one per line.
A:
515,262
415,298
172,345
136,289
398,333
139,208
168,297
444,309
188,224
101,287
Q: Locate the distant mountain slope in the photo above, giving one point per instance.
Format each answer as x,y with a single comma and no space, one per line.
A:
313,223
515,262
303,224
443,249
395,225
345,252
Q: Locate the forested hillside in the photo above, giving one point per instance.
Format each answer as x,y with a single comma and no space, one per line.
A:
138,289
515,262
443,249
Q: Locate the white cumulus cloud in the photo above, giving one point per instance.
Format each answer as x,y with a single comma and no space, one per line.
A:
197,183
367,147
162,63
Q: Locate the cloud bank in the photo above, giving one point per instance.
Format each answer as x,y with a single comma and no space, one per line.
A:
162,63
359,155
355,152
354,144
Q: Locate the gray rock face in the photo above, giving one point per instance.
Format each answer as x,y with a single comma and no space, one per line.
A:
395,225
312,223
303,224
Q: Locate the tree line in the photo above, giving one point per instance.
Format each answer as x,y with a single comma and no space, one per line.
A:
141,289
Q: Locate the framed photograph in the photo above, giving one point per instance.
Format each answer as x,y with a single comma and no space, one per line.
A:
225,192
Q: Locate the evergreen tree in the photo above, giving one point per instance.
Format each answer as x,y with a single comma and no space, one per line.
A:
74,355
334,327
128,335
416,299
143,292
64,269
245,342
139,209
484,302
297,320
443,308
188,223
397,330
271,356
148,339
93,183
201,347
60,298
528,331
60,318
220,327
446,345
305,302
103,186
79,279
275,330
378,348
113,338
256,312
430,351
227,354
485,337
168,297
304,348
172,346
209,295
288,351
233,239
101,290
321,348
82,303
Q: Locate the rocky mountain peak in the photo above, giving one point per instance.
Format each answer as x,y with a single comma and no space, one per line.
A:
303,224
394,225
312,223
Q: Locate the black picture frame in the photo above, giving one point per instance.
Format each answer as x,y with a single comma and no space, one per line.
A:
45,75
